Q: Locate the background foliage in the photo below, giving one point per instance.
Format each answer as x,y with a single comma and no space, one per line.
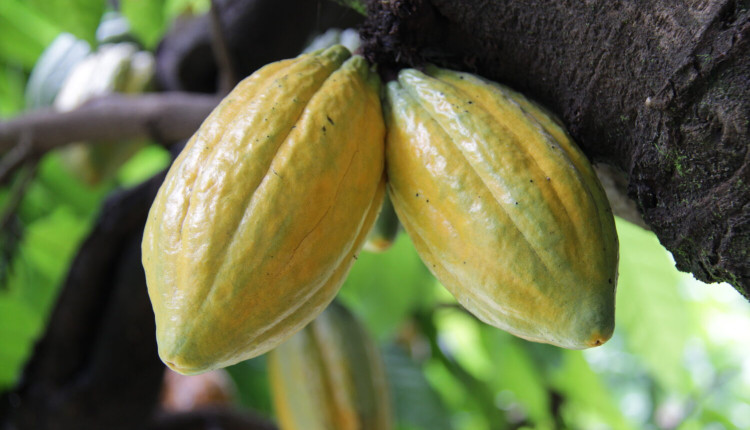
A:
678,358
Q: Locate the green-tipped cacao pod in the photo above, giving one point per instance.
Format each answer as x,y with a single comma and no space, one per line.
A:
385,230
262,214
330,376
114,68
502,206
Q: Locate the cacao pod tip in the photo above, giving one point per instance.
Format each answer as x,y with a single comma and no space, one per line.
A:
184,370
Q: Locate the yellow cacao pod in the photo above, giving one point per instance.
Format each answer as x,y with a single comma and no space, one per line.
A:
262,214
502,206
330,376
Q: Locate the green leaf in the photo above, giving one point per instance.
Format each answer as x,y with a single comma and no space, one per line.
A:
148,20
587,399
12,83
396,281
79,17
46,250
517,372
251,379
174,8
19,326
652,315
61,188
415,404
24,33
147,162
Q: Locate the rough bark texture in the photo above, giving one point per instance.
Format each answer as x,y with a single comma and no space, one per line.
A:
660,90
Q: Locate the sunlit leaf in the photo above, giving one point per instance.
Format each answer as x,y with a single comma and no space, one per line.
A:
46,250
142,165
652,315
62,188
585,393
516,372
24,33
12,82
79,17
175,8
147,19
383,289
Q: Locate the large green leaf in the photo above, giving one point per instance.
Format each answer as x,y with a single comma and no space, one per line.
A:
24,33
37,271
148,20
515,372
12,82
652,314
79,17
588,401
383,289
142,165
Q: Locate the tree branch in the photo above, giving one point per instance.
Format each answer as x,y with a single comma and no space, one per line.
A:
166,117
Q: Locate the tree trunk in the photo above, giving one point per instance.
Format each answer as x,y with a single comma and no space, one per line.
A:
659,90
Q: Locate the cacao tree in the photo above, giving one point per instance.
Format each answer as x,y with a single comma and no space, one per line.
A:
656,94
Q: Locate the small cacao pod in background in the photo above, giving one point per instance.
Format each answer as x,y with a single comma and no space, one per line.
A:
52,69
502,206
330,376
385,230
113,68
263,213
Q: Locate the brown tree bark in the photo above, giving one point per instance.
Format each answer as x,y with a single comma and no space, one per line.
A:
659,90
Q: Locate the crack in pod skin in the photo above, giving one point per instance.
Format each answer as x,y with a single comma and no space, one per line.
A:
502,206
262,214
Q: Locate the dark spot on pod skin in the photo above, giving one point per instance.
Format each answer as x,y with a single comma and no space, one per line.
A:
329,120
417,194
516,203
531,180
470,102
428,200
547,178
609,280
464,262
324,129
